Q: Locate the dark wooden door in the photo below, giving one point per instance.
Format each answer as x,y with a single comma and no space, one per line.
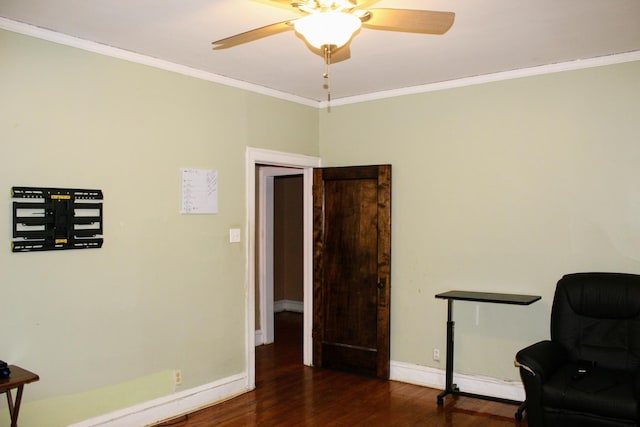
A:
352,268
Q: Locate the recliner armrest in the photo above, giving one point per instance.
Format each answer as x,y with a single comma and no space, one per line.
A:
542,358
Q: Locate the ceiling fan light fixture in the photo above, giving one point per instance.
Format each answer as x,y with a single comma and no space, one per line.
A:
327,28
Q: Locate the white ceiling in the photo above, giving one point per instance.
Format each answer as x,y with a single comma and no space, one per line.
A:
488,36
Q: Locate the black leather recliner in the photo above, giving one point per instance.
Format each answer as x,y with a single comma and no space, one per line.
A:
587,374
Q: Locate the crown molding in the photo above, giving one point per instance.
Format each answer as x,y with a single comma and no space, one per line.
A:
42,33
489,78
102,49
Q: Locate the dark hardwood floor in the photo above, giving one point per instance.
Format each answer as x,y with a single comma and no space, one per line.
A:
290,394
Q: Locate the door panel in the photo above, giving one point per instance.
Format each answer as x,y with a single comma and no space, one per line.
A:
352,254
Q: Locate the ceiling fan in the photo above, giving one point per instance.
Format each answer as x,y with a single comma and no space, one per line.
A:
327,17
329,25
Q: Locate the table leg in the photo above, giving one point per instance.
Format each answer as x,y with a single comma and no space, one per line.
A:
10,403
450,387
14,406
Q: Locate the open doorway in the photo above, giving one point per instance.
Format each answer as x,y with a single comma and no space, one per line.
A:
279,259
305,164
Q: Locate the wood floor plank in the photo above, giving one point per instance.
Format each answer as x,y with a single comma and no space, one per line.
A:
290,394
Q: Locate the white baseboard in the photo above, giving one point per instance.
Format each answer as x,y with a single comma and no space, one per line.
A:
435,378
278,307
171,406
288,305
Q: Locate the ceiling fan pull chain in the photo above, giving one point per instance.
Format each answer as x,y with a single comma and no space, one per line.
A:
327,84
326,75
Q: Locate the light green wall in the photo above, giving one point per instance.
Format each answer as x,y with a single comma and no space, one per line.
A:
499,187
166,291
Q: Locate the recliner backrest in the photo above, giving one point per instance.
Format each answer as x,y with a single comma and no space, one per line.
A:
596,317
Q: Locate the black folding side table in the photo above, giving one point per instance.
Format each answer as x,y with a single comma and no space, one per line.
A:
450,296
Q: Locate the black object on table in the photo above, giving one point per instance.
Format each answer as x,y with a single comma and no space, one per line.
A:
497,298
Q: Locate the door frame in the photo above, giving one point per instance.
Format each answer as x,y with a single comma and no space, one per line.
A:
254,157
266,182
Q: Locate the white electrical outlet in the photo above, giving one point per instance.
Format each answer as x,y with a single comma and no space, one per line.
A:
436,354
177,378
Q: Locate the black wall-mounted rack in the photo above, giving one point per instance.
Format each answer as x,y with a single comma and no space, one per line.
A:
46,219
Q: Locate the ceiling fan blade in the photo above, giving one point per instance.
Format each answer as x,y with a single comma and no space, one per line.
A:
251,35
410,21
